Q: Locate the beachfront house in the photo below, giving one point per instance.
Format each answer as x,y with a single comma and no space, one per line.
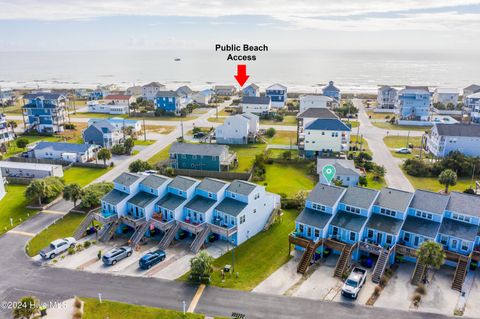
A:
445,96
205,157
256,105
111,104
6,132
170,102
413,103
238,129
150,90
7,97
277,94
44,112
446,138
98,94
101,132
472,103
469,90
203,97
68,152
185,92
332,91
345,171
386,96
224,90
251,90
315,101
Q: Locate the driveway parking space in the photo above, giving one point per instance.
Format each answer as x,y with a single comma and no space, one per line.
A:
398,292
440,297
364,294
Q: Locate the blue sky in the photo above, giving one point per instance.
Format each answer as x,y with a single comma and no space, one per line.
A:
410,25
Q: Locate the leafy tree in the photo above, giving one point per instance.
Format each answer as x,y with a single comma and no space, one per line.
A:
37,189
287,155
128,144
196,130
139,166
431,255
72,192
447,178
362,181
201,267
416,167
378,171
22,142
270,132
12,124
92,194
104,154
26,308
337,182
118,149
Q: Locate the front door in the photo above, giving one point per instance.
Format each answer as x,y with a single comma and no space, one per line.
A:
379,238
335,231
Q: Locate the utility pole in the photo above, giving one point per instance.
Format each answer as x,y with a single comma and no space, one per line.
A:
421,146
473,176
181,126
408,138
144,130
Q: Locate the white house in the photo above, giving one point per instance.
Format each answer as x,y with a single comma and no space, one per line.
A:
386,97
224,90
469,90
150,90
315,100
277,94
255,104
413,103
345,171
135,91
472,103
237,129
446,138
203,97
69,152
6,132
111,104
29,170
120,123
325,136
445,96
2,186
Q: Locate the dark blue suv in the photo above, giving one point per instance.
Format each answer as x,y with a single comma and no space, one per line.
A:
152,258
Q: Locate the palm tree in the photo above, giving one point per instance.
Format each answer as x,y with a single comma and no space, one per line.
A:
201,267
104,154
431,255
26,307
447,178
72,192
37,189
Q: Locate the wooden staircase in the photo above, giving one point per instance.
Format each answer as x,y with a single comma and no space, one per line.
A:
380,266
306,258
273,215
139,234
109,230
418,273
80,231
460,274
169,236
343,260
200,239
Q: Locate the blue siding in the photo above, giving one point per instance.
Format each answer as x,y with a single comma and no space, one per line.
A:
168,104
204,163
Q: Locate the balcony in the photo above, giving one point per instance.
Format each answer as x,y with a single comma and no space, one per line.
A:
222,229
132,221
105,217
162,225
193,228
371,248
406,251
476,253
298,240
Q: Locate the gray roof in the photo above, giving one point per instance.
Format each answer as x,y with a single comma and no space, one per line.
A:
200,204
254,86
394,199
328,125
318,112
198,149
63,147
167,94
45,95
472,87
256,100
154,84
154,181
185,90
104,126
458,129
342,166
127,179
421,226
359,197
326,195
142,199
348,221
429,201
231,206
459,229
114,197
170,201
330,87
241,187
466,204
385,224
182,183
313,218
211,185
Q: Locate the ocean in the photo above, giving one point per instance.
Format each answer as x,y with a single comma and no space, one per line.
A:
301,71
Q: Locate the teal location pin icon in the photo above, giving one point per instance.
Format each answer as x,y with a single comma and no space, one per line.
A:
328,172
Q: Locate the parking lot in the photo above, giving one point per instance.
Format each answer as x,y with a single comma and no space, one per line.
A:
176,264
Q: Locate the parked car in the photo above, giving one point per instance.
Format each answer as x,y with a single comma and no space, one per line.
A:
403,150
151,259
57,247
199,135
351,287
116,254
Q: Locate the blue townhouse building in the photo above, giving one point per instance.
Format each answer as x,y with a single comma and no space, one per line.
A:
413,103
472,103
205,157
170,101
251,90
332,91
44,112
183,207
386,226
277,94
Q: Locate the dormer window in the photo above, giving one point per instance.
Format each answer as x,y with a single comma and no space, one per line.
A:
424,215
233,195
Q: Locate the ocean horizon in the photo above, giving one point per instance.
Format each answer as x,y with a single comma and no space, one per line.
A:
301,71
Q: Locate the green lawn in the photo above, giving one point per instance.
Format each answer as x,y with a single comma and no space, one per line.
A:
375,184
393,127
98,115
357,140
93,309
13,149
287,120
380,116
283,137
432,184
287,179
277,153
141,142
83,175
160,156
246,155
216,120
258,257
62,228
401,141
353,123
13,206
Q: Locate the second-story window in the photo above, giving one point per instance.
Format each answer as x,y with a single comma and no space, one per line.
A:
352,236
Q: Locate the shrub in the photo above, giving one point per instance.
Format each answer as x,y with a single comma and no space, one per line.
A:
416,299
77,303
139,166
376,291
87,244
71,250
70,126
118,149
383,282
22,142
417,167
270,132
469,191
77,314
421,289
92,194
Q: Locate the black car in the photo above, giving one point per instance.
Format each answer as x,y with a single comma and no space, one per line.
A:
151,259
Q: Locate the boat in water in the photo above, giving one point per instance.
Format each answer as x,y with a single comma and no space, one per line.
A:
177,59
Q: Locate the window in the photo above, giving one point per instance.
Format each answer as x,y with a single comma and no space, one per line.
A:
352,236
210,195
317,232
454,243
461,218
351,209
242,219
318,207
424,215
300,228
255,210
233,195
389,240
370,233
465,246
257,195
388,212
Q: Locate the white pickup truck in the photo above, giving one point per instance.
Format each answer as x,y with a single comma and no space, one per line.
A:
351,287
57,247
